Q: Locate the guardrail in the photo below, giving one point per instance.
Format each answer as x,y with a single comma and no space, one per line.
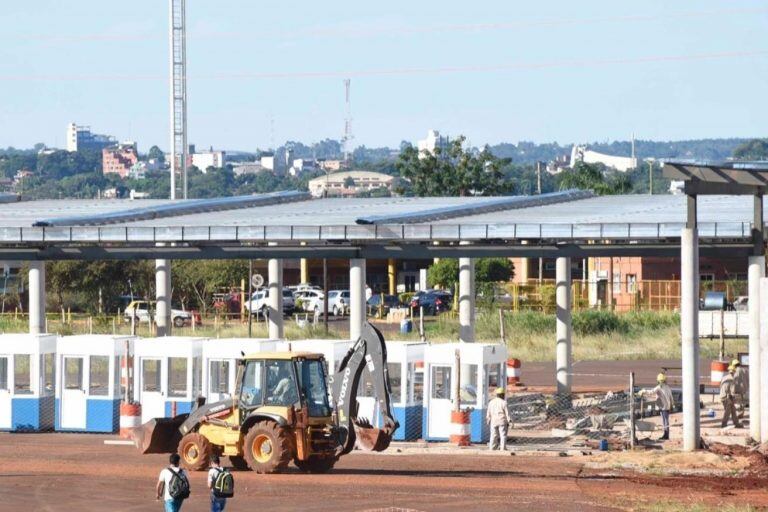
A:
389,232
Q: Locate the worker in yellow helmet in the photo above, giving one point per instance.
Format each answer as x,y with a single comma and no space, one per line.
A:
497,416
728,397
741,382
662,393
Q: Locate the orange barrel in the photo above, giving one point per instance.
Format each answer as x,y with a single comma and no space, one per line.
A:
130,418
460,428
420,365
513,372
717,370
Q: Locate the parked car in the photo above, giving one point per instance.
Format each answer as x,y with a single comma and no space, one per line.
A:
306,296
380,304
338,303
433,302
259,302
140,309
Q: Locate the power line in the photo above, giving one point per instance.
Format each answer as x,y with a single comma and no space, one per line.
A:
405,71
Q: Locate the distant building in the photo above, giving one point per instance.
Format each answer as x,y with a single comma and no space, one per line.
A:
301,165
80,138
267,161
119,159
432,142
330,165
620,163
240,168
138,195
208,159
350,183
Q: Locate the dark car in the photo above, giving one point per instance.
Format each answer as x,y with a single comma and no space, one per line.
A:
433,302
377,306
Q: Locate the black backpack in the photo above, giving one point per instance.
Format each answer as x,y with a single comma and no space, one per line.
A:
224,484
178,487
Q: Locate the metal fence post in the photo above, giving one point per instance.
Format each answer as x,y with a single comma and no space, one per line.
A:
632,439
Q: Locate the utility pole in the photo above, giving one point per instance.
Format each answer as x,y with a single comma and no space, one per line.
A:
347,139
538,178
178,97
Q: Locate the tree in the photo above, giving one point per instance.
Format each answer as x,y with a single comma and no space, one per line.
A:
595,177
756,149
349,182
445,273
451,171
197,281
155,153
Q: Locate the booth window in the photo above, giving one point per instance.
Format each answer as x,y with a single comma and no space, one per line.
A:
365,387
3,373
150,375
98,376
219,377
117,380
21,374
177,377
73,373
441,382
395,371
197,376
48,364
418,383
495,375
469,388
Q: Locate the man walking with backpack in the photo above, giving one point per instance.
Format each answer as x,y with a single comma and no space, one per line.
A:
221,483
173,485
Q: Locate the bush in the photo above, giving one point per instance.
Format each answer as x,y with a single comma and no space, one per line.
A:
406,298
599,322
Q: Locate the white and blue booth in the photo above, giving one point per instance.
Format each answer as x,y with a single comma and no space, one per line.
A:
483,369
167,375
406,378
333,350
27,382
89,391
220,357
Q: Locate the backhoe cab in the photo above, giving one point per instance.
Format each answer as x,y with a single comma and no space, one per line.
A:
281,413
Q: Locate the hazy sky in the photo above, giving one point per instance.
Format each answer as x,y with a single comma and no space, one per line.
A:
494,70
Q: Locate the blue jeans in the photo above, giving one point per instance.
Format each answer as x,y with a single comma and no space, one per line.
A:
173,505
665,421
218,504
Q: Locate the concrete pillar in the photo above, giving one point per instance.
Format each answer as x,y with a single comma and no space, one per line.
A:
275,284
689,329
564,329
392,275
304,266
763,363
36,297
466,300
755,272
163,297
356,297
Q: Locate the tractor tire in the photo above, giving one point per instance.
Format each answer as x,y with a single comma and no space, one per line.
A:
267,448
178,322
239,463
315,464
195,452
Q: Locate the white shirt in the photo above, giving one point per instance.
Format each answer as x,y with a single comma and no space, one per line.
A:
497,413
663,395
212,474
165,477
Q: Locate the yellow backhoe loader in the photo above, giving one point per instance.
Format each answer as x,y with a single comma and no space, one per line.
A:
281,412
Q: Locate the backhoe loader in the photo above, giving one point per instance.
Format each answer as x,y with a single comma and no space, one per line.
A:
281,412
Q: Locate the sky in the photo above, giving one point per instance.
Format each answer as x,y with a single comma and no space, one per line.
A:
263,72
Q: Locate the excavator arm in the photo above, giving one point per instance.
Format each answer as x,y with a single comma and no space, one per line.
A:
368,352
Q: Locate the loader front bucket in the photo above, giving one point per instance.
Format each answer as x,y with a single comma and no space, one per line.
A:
159,435
370,438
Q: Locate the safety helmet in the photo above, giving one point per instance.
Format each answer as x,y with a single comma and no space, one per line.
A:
735,363
731,368
499,391
661,377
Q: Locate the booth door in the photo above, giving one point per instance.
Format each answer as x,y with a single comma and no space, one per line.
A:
152,397
73,393
220,380
440,404
367,405
5,393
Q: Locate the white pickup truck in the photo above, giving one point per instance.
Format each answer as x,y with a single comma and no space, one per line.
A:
140,310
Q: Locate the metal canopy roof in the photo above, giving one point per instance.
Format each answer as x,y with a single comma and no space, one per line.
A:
718,177
405,227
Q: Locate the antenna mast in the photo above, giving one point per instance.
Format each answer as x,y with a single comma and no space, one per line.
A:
347,139
178,97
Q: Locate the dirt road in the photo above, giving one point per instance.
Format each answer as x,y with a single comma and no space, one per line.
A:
58,472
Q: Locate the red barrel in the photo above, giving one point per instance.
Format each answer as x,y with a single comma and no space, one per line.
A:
130,418
513,372
717,370
460,428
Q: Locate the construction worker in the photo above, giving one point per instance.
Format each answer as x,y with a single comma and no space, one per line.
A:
662,393
741,379
727,397
497,416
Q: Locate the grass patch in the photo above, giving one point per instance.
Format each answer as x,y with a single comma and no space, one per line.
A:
676,506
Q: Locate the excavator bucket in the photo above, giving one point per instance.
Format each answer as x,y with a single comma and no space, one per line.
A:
370,438
159,435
